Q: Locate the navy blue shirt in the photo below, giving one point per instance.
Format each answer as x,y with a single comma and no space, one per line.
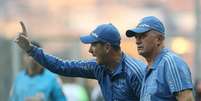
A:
169,74
123,84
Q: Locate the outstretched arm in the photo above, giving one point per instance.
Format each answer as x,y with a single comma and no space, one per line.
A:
54,64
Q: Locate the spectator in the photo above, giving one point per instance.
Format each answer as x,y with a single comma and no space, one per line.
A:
35,83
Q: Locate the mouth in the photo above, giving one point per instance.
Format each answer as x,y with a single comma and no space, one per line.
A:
139,47
93,55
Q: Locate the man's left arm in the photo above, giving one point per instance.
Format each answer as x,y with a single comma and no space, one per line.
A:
179,79
185,95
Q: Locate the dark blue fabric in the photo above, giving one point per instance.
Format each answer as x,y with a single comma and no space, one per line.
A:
123,84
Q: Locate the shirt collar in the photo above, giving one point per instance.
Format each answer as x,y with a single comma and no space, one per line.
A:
40,73
159,57
120,67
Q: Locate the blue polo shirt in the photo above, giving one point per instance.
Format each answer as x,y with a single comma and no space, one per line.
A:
123,84
45,86
169,74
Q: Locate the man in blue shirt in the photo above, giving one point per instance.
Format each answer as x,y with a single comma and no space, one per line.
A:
118,75
167,77
35,83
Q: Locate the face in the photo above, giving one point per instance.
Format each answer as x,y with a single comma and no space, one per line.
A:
31,64
147,42
99,51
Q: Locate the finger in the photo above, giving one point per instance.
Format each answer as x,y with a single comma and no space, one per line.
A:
17,37
16,40
21,38
22,35
24,31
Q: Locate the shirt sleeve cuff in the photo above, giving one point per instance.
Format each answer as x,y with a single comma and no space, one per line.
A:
31,51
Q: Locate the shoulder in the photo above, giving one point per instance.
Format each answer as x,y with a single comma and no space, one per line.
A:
21,74
132,62
49,74
134,67
171,58
52,78
174,63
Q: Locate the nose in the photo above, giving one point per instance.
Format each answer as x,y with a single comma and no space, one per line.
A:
138,40
90,49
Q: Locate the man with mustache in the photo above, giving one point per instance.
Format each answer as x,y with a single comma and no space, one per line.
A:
167,76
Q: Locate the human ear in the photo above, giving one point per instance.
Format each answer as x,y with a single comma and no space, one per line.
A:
159,40
107,47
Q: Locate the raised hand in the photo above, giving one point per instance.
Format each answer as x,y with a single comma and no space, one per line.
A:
22,38
24,31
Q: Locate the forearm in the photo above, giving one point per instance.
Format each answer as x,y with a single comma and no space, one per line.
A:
185,95
47,61
59,66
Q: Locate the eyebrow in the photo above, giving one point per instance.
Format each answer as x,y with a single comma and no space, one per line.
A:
141,34
98,42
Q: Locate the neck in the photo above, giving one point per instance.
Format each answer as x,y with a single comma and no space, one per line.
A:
152,56
113,60
34,71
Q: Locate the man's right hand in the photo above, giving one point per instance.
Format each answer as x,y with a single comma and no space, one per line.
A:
22,39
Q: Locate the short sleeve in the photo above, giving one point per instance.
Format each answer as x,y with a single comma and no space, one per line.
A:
178,75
